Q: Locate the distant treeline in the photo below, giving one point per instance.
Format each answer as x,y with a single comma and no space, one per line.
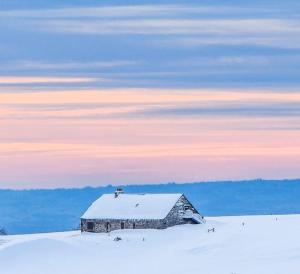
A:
30,211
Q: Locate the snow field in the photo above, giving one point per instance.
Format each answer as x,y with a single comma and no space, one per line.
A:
239,245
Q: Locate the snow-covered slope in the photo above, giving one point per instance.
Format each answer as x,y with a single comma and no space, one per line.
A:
239,245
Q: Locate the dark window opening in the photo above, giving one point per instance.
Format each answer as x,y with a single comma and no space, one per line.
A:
187,207
107,226
90,226
122,225
133,225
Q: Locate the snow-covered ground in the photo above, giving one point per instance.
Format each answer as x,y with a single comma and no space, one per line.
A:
263,245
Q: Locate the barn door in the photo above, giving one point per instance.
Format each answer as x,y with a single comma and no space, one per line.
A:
107,226
90,226
122,225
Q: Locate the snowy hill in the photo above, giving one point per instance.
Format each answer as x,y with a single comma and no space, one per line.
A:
263,245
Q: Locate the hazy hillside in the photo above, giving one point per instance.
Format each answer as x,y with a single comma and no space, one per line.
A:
29,211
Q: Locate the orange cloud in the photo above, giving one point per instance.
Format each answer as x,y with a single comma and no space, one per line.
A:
207,149
35,148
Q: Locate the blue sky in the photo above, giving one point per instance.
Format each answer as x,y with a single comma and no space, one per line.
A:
118,89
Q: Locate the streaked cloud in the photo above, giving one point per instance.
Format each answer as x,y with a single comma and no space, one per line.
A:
14,80
92,95
147,95
176,26
122,11
147,104
175,20
38,65
278,40
143,151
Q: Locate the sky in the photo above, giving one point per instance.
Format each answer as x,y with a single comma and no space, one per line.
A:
133,92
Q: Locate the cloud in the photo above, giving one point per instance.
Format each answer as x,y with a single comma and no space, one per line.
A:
277,40
243,109
42,65
147,104
142,151
186,24
245,61
187,32
174,26
146,96
121,11
16,80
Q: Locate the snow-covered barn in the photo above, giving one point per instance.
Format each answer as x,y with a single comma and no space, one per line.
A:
139,211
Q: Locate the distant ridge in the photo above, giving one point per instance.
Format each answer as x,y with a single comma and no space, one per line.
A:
30,211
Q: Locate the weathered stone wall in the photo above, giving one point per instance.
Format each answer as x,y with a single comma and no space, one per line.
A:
106,225
175,217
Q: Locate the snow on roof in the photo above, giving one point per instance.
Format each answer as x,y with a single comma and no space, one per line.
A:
132,206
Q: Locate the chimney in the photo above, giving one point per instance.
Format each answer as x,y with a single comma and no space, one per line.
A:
118,192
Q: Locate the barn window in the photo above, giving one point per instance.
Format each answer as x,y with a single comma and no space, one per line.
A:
90,226
122,225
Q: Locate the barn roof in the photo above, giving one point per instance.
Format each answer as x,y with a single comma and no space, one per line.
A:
132,206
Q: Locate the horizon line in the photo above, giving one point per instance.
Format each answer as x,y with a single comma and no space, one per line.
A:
153,184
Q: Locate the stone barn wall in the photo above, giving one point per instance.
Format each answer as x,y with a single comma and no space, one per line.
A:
107,225
175,216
